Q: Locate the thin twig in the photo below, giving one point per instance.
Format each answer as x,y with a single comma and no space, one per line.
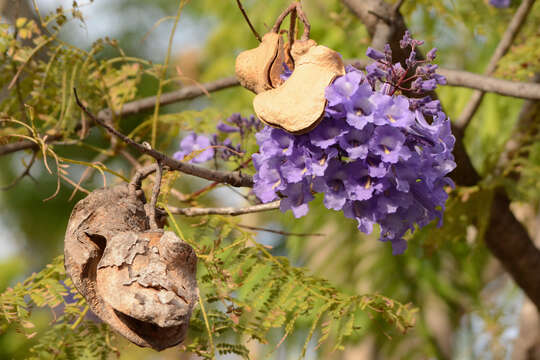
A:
293,29
231,211
279,232
153,199
141,174
207,188
23,174
502,48
177,194
232,178
207,324
297,7
88,172
72,183
244,14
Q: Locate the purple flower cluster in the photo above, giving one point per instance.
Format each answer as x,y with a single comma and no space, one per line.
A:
193,145
235,124
374,155
197,146
500,3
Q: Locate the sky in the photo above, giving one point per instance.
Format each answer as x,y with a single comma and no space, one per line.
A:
112,18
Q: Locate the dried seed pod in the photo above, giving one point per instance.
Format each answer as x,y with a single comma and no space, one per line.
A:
140,282
260,69
298,105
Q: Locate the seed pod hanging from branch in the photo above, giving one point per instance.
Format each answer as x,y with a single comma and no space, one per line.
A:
135,277
297,103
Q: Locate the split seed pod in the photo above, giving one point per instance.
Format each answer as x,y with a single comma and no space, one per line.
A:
297,106
139,281
259,69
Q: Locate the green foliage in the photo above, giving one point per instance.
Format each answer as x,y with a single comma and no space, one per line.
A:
247,291
69,335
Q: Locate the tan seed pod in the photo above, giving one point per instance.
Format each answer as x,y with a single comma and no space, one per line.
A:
298,105
139,281
259,69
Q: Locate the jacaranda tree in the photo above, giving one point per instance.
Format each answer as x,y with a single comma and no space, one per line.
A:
229,200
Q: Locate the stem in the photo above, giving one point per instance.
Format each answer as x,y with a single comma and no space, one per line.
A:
163,73
244,14
153,200
210,338
80,318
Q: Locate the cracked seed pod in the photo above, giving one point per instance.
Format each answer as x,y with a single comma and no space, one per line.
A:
260,69
297,106
139,281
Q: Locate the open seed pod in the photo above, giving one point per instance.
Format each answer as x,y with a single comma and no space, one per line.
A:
259,69
139,281
297,106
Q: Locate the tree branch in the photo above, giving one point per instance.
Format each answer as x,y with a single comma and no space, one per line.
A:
185,93
502,48
23,174
232,178
453,77
26,144
523,90
509,241
195,211
460,78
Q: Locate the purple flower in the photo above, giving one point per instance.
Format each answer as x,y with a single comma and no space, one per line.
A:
333,185
393,111
374,72
328,134
360,185
226,128
192,144
319,159
235,124
268,180
432,54
406,41
275,142
295,167
355,142
363,212
348,92
500,3
387,142
374,54
374,156
297,197
344,87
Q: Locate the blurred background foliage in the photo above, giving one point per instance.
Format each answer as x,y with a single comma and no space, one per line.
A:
466,306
